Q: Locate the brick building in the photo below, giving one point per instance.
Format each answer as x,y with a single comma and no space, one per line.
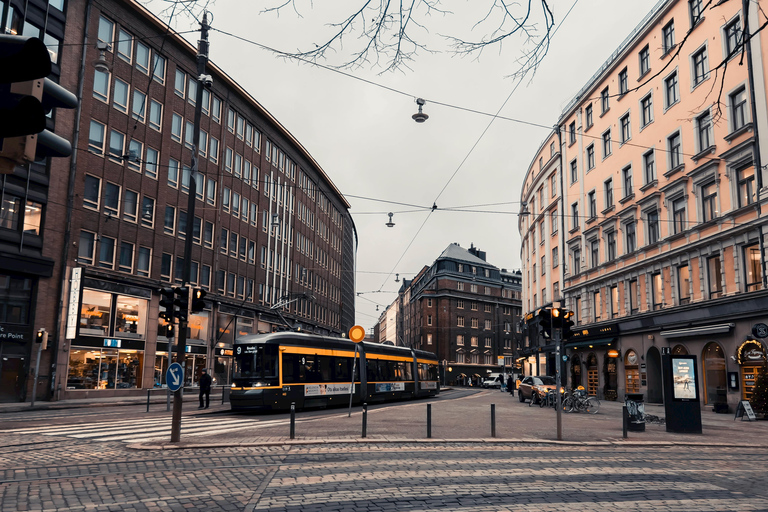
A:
270,225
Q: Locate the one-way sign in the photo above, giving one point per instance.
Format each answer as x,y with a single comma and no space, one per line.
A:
174,377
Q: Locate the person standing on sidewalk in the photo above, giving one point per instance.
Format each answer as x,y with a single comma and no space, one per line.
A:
511,385
205,389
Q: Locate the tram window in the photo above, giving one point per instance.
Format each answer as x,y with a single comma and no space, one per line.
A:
290,368
342,369
407,373
259,364
325,368
372,370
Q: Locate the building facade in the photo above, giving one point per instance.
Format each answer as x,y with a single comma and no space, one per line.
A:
271,230
465,311
643,211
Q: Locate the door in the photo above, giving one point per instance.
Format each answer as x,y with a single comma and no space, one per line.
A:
653,360
11,371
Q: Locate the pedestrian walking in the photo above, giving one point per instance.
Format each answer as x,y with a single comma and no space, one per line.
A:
511,385
205,389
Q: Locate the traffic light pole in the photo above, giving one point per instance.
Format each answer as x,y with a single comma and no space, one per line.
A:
558,364
181,349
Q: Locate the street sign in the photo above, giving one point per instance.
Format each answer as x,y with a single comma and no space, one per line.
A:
174,377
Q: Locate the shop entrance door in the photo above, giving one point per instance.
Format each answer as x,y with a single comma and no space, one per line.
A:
11,371
748,378
654,390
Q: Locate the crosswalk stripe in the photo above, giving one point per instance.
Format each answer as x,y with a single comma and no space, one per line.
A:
113,433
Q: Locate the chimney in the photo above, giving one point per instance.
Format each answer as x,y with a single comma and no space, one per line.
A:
476,252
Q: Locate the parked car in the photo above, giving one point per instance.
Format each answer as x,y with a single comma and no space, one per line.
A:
533,388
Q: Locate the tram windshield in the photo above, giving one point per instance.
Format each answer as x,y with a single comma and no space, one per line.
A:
257,363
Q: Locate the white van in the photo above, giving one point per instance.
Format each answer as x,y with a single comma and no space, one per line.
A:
493,380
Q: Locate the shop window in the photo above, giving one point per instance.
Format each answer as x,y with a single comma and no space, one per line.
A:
198,326
130,317
631,372
104,368
95,313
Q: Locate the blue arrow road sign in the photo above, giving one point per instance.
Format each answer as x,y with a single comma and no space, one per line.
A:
174,377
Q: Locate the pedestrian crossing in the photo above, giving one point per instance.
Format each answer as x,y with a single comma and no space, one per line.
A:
141,430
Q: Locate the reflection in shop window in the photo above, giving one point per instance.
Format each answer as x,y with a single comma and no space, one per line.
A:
131,317
95,313
10,212
104,368
32,213
198,326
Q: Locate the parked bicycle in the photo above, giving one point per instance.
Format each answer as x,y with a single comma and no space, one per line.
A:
578,401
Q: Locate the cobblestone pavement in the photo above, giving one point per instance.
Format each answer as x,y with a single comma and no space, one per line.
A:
104,476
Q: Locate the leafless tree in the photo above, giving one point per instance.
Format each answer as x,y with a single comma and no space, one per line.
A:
389,35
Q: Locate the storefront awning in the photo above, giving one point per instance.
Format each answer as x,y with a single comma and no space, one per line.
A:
699,331
591,343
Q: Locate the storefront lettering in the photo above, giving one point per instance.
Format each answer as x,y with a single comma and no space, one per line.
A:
11,336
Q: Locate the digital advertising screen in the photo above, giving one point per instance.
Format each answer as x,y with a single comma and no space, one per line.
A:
684,378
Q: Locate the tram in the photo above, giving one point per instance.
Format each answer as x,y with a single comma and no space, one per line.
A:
273,370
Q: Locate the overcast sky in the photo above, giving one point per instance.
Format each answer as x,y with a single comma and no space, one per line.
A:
365,140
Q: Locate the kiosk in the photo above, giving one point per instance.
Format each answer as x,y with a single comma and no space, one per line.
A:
681,393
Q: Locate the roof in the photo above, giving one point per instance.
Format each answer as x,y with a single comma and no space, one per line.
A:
456,252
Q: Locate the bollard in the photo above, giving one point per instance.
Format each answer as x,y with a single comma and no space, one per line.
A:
493,420
293,420
624,420
149,391
168,400
365,419
429,421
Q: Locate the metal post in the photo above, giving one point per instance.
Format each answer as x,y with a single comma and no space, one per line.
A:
37,377
293,420
429,421
624,420
167,400
558,363
202,58
149,392
493,420
365,420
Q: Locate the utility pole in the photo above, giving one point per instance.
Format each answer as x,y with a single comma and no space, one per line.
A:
202,81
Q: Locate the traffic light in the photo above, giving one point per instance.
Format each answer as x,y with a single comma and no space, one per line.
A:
182,301
198,302
167,297
26,98
545,322
566,316
42,337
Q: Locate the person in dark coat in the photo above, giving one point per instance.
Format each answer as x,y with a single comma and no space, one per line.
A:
511,385
205,389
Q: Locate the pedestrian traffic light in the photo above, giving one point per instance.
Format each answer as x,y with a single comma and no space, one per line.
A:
26,98
167,297
182,301
198,302
545,322
42,337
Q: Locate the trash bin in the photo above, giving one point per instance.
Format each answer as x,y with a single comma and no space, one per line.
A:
636,409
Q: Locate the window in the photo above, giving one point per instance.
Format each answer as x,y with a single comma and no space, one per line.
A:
173,173
626,133
552,222
96,138
668,35
738,103
589,115
165,266
111,198
633,296
475,324
106,32
610,244
598,305
130,205
653,226
753,268
649,167
148,212
460,321
644,58
574,171
553,184
158,68
150,163
107,252
714,275
192,90
592,205
572,132
746,184
169,222
575,216
180,83
678,215
144,261
555,259
629,237
646,111
231,120
429,319
674,149
590,157
614,301
607,144
459,304
228,160
733,37
135,151
594,247
695,10
543,265
125,46
116,146
623,82
626,178
126,257
700,66
155,115
657,291
684,284
604,100
189,134
208,235
487,327
708,201
120,96
459,341
86,247
142,57
608,188
704,131
671,90
101,85
176,122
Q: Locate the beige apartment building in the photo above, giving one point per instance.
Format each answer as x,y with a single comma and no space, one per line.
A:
644,210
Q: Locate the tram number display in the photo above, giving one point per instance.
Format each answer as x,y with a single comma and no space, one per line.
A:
385,387
428,385
328,389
